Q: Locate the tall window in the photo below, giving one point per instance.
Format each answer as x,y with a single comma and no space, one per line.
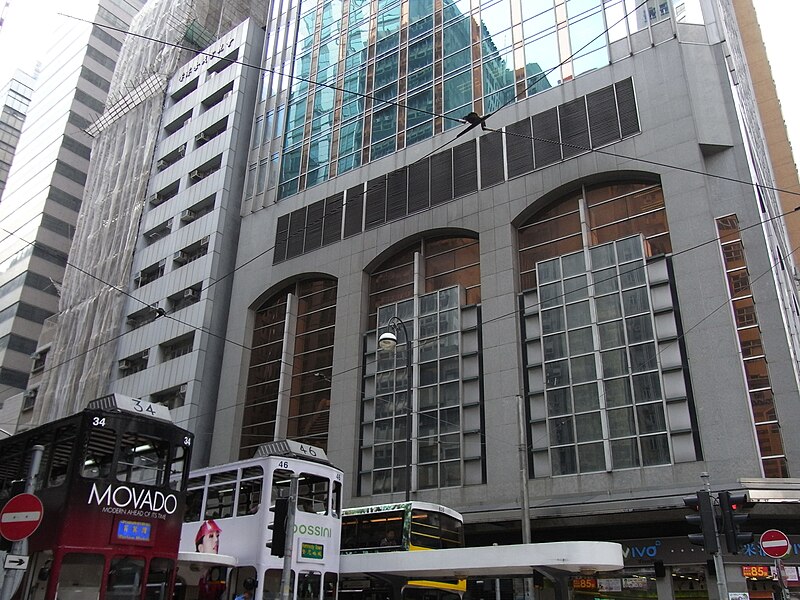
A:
593,267
754,359
291,399
434,289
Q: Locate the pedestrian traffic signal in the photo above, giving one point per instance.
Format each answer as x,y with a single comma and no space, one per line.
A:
277,544
729,503
703,517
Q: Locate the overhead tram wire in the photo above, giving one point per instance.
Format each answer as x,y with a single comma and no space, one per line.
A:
302,231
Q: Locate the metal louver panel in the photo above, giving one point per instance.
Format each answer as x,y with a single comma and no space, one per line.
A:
332,225
375,209
441,177
397,194
465,166
281,235
519,148
546,140
419,191
353,210
492,171
603,119
626,103
574,127
316,212
297,227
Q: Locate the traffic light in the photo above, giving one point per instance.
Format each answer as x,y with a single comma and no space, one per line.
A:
278,527
704,518
729,503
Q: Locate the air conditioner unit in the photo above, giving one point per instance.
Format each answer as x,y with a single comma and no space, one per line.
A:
190,294
155,200
182,150
29,394
125,365
183,389
188,215
201,138
145,355
36,355
162,164
196,174
180,257
205,240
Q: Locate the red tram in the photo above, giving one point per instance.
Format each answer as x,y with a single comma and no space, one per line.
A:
112,483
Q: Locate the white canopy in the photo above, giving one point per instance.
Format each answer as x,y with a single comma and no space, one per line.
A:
516,559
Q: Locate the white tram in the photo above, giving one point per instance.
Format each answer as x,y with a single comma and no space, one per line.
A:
226,533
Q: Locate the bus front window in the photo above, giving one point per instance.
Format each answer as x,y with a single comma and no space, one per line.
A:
80,577
313,493
125,577
158,578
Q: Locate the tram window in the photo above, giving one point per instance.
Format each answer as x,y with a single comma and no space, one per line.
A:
60,453
308,585
158,577
177,468
40,568
194,502
99,454
219,503
312,494
336,500
331,581
280,484
238,582
250,491
142,459
125,577
272,584
81,576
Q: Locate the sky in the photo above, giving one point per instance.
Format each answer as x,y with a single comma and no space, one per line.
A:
23,40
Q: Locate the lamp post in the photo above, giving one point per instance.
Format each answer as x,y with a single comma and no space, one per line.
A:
388,341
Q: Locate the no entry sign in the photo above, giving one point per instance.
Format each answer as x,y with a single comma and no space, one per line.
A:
20,517
774,543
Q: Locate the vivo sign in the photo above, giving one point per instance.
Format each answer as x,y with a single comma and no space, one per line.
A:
123,499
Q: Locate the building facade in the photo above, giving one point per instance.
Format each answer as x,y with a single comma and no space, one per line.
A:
591,285
16,97
46,180
598,254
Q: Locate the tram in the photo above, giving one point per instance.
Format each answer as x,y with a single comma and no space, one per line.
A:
230,519
111,480
398,527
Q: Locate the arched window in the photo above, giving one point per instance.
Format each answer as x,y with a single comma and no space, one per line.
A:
600,328
433,287
299,319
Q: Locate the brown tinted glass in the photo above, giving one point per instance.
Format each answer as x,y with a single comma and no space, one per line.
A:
763,406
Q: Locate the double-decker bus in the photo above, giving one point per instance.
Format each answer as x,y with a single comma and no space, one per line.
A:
228,529
111,481
401,526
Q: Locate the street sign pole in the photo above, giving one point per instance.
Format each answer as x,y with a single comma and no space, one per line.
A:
12,578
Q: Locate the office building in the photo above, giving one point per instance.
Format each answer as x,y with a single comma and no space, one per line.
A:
591,254
15,98
42,196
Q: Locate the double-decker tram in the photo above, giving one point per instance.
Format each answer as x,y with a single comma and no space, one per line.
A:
111,483
398,527
227,545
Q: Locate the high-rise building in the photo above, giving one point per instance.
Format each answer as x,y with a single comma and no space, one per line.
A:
564,210
46,181
15,97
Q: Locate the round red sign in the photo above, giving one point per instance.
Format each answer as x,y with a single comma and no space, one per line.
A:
774,543
20,517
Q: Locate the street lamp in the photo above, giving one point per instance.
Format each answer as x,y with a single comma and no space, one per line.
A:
388,341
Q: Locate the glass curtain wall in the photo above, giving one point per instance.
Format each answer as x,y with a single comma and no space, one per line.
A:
373,77
434,289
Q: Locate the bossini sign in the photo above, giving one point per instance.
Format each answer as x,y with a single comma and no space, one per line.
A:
133,502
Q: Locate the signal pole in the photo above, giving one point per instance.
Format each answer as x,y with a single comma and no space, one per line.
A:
286,576
719,565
